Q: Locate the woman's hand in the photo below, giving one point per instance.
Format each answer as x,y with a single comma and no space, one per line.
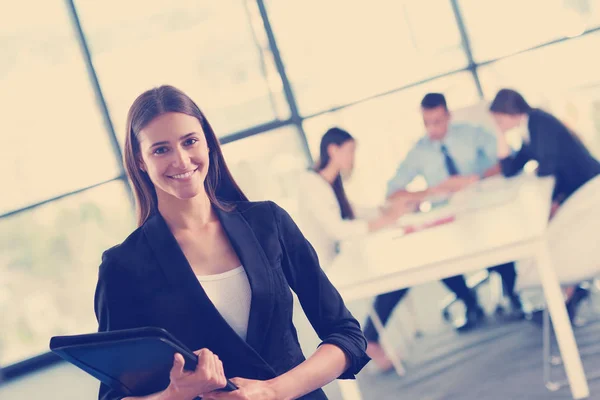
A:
554,209
247,390
207,377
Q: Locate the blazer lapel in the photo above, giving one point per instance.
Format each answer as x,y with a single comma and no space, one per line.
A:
178,273
259,273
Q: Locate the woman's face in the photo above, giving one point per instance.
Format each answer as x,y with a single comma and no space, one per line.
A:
507,122
343,156
174,154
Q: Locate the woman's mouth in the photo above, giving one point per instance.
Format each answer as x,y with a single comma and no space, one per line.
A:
184,175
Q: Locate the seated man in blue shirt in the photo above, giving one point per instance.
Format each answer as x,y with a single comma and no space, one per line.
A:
450,157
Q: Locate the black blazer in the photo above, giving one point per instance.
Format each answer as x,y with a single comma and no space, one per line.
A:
558,153
147,281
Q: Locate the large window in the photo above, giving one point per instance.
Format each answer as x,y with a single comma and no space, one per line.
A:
562,78
265,166
385,129
215,51
53,137
500,27
49,262
347,62
339,51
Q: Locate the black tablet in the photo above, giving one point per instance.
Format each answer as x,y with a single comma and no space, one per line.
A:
135,362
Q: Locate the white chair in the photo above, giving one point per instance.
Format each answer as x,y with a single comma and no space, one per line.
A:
551,360
573,242
476,114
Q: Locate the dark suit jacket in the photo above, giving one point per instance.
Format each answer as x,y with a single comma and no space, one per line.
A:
147,281
558,153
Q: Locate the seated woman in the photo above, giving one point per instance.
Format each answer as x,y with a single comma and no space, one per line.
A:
327,217
216,270
560,154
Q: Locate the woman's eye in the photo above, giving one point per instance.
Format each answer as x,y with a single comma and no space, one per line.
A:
190,141
160,150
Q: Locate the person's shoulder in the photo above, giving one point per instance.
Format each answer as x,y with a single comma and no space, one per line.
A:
310,177
423,143
251,207
538,115
467,128
257,209
265,218
548,122
118,256
118,262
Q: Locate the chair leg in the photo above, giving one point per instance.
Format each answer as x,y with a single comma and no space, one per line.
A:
386,344
414,316
547,357
553,361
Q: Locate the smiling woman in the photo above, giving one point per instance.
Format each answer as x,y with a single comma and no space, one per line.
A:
216,270
169,136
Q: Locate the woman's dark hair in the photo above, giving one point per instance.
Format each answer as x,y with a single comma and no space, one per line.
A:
336,136
508,101
219,184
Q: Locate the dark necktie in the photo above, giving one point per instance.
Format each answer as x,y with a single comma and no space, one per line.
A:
450,165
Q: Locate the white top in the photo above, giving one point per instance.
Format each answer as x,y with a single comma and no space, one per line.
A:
231,295
319,217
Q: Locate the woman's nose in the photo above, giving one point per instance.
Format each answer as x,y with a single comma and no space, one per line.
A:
180,159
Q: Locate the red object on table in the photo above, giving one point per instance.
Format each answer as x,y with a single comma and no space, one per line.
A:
412,228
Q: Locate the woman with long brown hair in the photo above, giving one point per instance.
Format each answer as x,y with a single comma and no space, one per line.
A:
328,218
216,270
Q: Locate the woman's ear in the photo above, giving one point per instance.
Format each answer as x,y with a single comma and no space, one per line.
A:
141,164
331,149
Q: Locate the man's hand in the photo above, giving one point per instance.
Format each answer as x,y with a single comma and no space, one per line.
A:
455,184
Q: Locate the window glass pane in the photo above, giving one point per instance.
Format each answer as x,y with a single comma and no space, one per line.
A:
570,89
265,165
49,260
215,51
50,119
386,128
339,51
501,27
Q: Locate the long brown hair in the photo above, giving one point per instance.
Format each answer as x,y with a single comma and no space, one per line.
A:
508,101
336,136
219,184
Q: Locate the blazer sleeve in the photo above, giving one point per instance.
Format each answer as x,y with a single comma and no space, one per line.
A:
320,301
514,163
408,169
549,131
109,303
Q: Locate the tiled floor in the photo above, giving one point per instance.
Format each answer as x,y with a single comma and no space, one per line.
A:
499,361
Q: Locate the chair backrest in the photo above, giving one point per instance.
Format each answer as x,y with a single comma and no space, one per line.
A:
580,205
573,235
476,114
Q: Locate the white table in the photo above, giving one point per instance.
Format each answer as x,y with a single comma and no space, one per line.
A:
503,221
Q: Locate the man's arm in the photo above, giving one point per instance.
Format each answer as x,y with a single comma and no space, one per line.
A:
487,145
408,169
492,171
